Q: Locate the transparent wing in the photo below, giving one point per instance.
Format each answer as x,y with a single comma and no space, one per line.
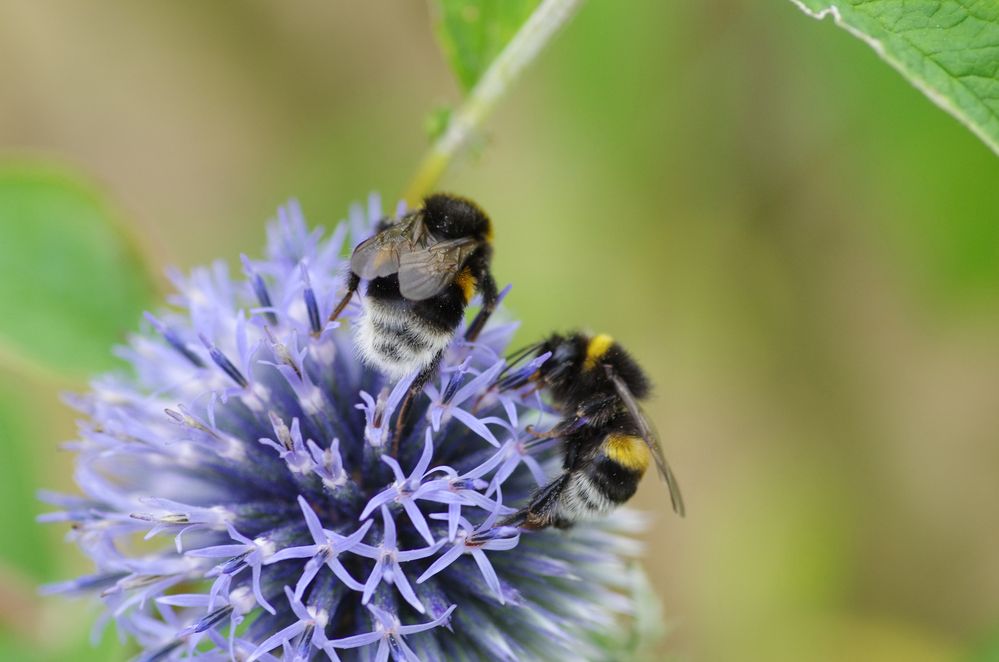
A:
424,273
651,438
381,254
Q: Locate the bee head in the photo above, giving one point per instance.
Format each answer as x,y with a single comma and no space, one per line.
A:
452,217
564,364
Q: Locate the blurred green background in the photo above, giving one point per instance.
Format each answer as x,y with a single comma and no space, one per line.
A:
799,246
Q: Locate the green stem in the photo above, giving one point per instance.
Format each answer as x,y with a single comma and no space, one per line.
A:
504,70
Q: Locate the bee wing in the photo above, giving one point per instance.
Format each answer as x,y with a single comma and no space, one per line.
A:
381,254
424,273
651,438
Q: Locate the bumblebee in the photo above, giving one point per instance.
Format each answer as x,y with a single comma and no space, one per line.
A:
607,441
422,270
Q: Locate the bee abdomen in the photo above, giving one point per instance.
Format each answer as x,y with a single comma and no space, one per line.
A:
570,498
594,487
628,451
614,473
397,341
612,477
615,483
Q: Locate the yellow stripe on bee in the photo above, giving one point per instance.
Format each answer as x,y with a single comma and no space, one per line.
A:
467,282
596,349
627,450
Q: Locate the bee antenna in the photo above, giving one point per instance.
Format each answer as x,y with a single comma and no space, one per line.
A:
517,356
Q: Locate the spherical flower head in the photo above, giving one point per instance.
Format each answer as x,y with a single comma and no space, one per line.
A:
241,499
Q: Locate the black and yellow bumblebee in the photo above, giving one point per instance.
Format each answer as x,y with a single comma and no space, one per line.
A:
422,270
607,441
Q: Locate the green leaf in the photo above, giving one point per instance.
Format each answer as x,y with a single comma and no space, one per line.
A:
71,282
473,32
986,650
22,437
949,49
63,635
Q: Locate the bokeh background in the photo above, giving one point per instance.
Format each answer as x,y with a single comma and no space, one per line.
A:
800,247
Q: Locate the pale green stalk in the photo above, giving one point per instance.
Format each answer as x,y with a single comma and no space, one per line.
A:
504,70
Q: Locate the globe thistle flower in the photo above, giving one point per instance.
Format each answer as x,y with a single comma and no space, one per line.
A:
240,500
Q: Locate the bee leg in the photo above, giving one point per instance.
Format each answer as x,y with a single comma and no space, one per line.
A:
544,509
407,401
490,297
352,282
559,430
538,436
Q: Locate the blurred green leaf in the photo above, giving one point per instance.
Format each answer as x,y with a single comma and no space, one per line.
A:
70,280
986,650
949,49
69,641
13,648
472,32
25,547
